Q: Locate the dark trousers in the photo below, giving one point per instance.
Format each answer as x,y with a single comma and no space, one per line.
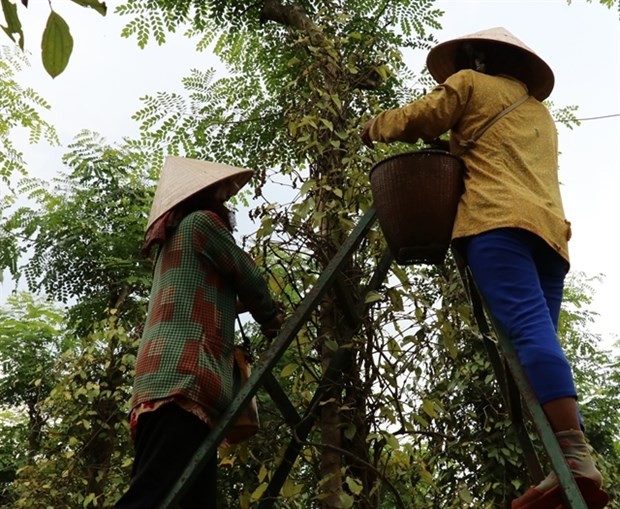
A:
166,441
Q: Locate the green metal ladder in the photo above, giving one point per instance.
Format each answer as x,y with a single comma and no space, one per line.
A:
513,383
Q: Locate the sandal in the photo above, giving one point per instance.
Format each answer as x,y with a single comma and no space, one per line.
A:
593,495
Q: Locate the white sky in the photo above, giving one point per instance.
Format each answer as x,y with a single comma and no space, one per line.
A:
101,87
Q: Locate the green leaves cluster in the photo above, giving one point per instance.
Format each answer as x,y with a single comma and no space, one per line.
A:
596,375
31,338
66,374
84,454
84,229
20,108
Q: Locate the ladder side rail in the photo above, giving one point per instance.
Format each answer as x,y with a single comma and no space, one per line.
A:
332,375
531,456
509,389
279,397
302,429
491,346
269,358
567,483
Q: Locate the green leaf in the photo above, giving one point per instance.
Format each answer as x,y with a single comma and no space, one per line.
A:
354,485
327,123
14,26
258,492
346,500
392,441
349,431
429,408
331,344
291,488
307,186
465,495
100,7
373,296
57,45
288,370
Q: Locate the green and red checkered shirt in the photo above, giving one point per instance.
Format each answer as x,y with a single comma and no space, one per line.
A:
186,351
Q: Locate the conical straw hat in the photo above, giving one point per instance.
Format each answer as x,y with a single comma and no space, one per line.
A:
182,177
441,60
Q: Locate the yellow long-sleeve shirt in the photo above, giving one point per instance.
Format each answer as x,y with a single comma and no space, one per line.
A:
511,177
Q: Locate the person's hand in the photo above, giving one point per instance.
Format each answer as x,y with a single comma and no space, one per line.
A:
366,134
271,328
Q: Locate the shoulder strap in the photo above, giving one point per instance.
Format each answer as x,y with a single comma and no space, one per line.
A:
467,144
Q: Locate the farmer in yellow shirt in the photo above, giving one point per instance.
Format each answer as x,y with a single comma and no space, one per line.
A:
510,222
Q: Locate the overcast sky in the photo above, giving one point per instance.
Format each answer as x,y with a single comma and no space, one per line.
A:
107,75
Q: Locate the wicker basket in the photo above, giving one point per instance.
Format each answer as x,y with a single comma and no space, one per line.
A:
416,195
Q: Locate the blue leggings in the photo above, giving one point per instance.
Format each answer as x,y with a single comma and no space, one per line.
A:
522,280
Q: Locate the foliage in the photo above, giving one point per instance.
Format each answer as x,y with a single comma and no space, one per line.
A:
56,42
607,3
84,234
31,337
84,231
596,375
30,340
85,452
20,108
416,420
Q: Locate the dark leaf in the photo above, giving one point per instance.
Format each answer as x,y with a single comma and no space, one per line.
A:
14,26
100,7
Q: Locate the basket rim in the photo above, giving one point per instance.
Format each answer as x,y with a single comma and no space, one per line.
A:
421,151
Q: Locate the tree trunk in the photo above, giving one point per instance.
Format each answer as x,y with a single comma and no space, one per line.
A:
358,445
100,447
35,424
331,432
327,169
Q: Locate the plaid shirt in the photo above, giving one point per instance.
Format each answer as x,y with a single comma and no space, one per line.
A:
186,351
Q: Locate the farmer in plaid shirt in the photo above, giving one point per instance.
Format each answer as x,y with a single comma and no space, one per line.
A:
184,371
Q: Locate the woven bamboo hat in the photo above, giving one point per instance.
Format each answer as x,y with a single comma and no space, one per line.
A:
538,76
182,177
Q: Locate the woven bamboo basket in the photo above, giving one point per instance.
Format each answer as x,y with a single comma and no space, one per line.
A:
416,196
